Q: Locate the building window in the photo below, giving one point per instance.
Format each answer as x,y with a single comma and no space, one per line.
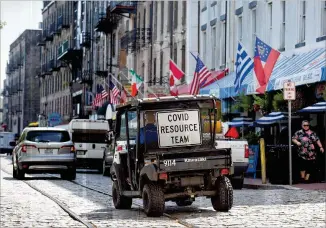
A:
254,27
184,12
113,46
154,71
183,58
283,8
204,46
223,46
155,20
240,28
170,16
214,47
175,16
161,67
270,16
175,53
302,25
323,19
162,17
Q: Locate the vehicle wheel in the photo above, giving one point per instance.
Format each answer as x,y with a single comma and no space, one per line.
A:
153,200
119,201
20,174
223,200
105,171
183,202
14,172
69,175
237,182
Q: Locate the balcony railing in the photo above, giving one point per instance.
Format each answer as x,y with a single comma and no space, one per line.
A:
39,38
136,38
87,77
85,39
123,6
69,50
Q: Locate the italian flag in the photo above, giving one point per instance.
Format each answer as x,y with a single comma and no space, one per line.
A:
136,82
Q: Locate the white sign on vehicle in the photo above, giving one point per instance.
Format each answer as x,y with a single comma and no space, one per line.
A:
180,128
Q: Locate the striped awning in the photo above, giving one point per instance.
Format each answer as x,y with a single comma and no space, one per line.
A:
318,107
301,67
240,121
271,118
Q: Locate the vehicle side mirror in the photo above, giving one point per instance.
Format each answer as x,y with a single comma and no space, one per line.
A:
12,143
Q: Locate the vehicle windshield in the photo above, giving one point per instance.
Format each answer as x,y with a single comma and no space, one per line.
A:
185,124
48,136
81,137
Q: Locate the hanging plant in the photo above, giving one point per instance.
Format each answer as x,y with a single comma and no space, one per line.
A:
279,104
262,102
243,102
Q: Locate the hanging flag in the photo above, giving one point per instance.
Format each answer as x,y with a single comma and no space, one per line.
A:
200,76
114,93
202,70
176,74
114,99
264,62
215,76
243,65
123,96
100,97
136,82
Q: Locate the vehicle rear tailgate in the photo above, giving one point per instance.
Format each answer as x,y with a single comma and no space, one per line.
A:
199,160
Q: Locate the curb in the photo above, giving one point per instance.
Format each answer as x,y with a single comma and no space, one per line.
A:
269,187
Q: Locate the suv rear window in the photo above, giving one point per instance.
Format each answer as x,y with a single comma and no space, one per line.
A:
48,136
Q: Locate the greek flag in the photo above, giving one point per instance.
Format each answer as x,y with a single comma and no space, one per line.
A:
244,65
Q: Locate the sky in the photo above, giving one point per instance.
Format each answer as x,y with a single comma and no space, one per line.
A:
19,16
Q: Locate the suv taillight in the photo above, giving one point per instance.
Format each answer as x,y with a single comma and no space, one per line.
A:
119,148
25,147
246,154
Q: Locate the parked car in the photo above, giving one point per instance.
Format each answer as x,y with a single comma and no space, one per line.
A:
5,139
41,149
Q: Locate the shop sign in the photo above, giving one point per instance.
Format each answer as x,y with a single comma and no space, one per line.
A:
303,78
54,119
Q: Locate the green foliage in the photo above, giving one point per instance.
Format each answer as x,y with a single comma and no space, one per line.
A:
243,102
279,104
263,102
252,138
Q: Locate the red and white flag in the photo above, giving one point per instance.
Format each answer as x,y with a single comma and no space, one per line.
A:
215,76
176,74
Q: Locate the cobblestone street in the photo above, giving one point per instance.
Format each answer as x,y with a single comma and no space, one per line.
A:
22,206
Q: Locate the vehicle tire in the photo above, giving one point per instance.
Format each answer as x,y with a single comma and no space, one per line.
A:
105,171
20,174
184,202
119,201
153,200
237,182
69,175
223,201
14,172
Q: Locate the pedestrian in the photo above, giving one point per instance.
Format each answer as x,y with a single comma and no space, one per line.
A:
306,139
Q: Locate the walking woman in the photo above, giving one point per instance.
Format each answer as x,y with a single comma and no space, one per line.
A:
306,139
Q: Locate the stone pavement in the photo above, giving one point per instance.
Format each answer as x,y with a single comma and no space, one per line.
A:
252,208
21,206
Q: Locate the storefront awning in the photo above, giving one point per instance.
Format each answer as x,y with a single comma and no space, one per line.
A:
301,67
240,121
271,118
318,107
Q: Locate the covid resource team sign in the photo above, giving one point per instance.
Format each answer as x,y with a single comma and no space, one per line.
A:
180,128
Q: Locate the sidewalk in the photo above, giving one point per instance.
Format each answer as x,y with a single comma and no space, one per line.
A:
257,184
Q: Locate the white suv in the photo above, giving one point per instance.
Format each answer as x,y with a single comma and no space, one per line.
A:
41,150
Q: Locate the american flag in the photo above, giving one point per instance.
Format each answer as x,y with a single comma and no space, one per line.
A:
200,76
114,94
100,97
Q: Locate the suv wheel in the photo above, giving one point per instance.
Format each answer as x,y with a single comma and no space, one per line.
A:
119,201
183,202
14,172
69,175
153,200
223,200
20,174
